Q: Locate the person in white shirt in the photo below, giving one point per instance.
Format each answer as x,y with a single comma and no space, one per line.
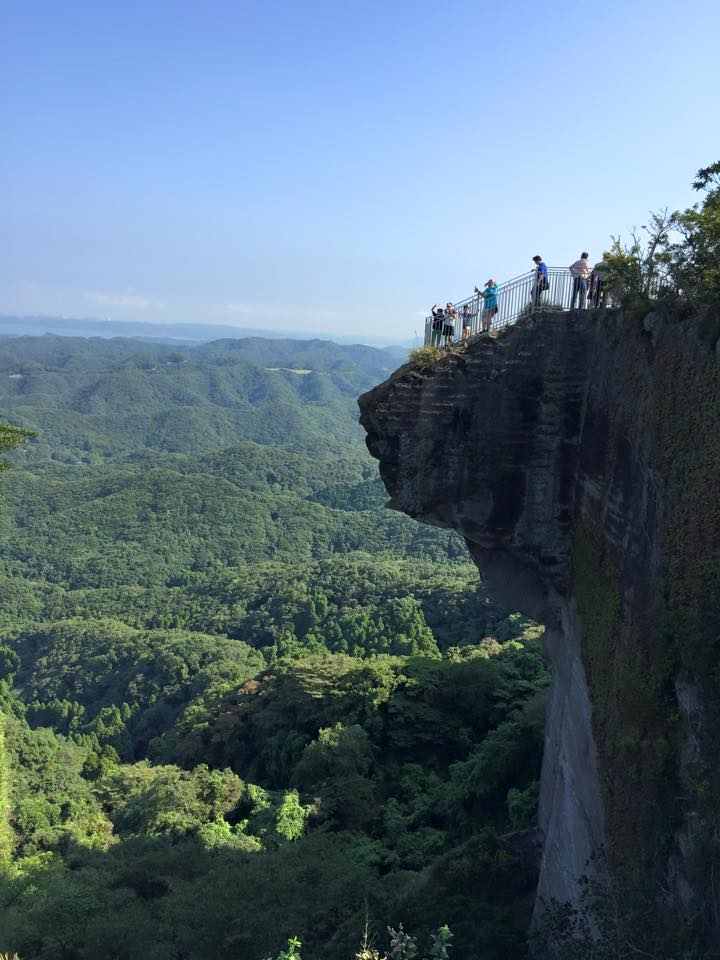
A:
449,325
580,272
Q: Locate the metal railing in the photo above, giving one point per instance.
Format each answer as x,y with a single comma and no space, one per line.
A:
521,297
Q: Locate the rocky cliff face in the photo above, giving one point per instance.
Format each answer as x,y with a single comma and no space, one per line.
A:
579,456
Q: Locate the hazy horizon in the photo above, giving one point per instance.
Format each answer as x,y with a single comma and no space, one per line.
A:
188,331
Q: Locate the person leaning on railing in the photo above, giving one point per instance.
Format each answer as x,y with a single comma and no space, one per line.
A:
580,272
490,304
598,293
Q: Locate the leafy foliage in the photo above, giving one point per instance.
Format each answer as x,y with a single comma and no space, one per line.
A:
239,699
12,437
677,259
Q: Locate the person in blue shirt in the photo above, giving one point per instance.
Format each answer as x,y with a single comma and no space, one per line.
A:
541,281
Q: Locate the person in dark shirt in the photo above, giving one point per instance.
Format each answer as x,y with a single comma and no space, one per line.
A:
437,322
598,292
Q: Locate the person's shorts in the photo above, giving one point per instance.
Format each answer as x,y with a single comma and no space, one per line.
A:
488,314
448,330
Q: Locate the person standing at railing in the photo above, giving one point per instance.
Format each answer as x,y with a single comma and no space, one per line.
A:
540,284
580,272
490,304
476,311
466,321
598,285
449,325
437,322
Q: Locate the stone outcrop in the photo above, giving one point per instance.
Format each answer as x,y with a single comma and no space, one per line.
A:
564,452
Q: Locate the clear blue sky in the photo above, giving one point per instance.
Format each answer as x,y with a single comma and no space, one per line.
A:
330,165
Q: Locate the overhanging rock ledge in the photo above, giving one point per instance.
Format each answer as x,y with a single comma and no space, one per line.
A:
544,449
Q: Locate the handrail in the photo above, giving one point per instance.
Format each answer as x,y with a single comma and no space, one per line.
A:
516,298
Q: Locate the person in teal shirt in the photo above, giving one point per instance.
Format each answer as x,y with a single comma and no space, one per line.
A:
490,304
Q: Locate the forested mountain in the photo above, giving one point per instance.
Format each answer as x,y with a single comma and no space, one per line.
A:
99,399
242,701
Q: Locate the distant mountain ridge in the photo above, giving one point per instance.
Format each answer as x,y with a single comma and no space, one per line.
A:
103,398
183,333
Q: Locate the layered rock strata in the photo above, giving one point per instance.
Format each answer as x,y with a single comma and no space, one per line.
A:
558,451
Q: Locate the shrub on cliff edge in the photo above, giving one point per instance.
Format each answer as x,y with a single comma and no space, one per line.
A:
423,358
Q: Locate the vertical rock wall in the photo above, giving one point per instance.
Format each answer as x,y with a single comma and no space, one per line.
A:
553,450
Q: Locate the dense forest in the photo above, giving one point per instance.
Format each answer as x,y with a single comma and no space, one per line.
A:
241,701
